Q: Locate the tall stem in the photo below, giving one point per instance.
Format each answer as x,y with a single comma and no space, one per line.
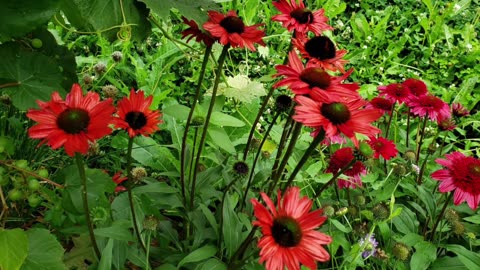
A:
130,186
259,151
432,236
86,209
408,127
218,74
208,50
390,120
419,145
316,141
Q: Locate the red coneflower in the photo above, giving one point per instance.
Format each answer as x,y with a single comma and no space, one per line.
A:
461,175
339,160
459,110
383,147
71,123
230,29
194,32
135,116
314,81
417,87
321,51
347,117
446,123
429,105
395,92
296,17
118,179
289,236
380,103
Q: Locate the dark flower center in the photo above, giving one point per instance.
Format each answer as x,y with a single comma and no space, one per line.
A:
73,121
337,113
316,77
233,24
302,15
283,102
474,169
320,47
240,168
136,120
286,232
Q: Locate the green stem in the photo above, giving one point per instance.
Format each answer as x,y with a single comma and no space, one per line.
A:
434,229
259,151
218,74
208,50
408,128
419,146
390,120
147,252
130,185
9,85
316,141
83,178
297,128
334,177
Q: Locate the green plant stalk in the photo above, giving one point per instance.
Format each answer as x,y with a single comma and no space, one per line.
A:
208,50
408,128
449,197
390,120
297,128
220,226
218,74
281,146
130,193
259,151
194,147
241,249
83,178
334,177
422,134
147,252
262,108
316,141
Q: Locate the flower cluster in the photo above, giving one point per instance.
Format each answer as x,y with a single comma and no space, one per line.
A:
79,120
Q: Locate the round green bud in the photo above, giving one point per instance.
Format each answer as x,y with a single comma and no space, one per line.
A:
33,184
21,163
4,180
43,173
15,194
36,43
34,200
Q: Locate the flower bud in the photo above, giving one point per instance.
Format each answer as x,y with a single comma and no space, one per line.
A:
410,155
240,168
117,56
138,173
100,68
110,91
401,251
381,211
150,223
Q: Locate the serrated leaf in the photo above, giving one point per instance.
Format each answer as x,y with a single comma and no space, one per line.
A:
107,17
33,76
13,248
195,10
17,19
44,251
198,255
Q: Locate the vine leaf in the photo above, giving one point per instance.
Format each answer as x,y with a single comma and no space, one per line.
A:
44,251
196,10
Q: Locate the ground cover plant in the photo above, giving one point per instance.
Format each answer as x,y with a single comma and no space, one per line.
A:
241,134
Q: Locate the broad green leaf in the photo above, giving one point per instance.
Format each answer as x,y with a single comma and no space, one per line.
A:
159,187
110,18
106,259
425,254
13,248
447,263
210,217
198,255
225,120
473,219
177,111
188,8
17,19
33,76
231,226
339,225
220,138
406,222
81,253
214,264
44,251
469,258
120,230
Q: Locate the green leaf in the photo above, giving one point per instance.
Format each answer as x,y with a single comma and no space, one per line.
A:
225,120
159,187
231,225
13,248
106,259
406,222
339,225
34,76
110,18
177,111
447,263
44,251
198,255
120,230
469,258
473,219
81,252
214,264
425,254
17,19
220,138
188,8
210,217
